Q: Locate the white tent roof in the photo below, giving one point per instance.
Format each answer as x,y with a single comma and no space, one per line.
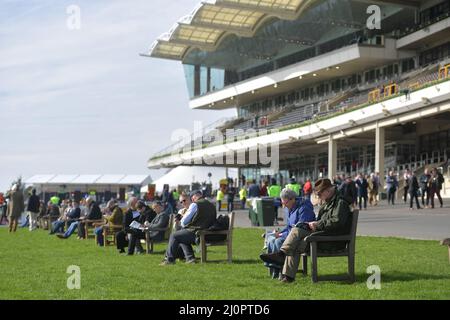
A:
184,175
117,179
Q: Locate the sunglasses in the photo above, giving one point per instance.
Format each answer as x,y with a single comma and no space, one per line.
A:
183,201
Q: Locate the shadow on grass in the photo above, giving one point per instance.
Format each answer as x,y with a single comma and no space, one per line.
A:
361,278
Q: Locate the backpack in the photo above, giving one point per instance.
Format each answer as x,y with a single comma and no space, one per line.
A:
222,223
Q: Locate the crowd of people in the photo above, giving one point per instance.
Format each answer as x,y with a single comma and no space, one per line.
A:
132,222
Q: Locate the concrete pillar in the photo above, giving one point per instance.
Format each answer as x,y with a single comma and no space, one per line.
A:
315,174
332,158
379,153
364,164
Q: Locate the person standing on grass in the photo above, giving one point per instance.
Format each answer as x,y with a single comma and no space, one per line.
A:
33,209
3,207
15,207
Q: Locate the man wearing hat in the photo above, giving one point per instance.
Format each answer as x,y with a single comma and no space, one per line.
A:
334,219
200,215
15,207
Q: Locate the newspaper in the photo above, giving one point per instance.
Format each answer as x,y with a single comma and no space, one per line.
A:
136,225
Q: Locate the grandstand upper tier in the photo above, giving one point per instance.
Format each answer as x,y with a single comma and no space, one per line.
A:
238,52
290,64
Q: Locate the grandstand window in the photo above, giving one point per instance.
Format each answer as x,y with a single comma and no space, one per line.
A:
203,80
430,14
378,74
408,64
217,79
390,70
189,75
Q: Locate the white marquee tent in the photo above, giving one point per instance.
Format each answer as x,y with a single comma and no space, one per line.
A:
185,175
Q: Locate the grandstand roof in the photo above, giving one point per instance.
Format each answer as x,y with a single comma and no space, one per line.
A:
117,179
211,20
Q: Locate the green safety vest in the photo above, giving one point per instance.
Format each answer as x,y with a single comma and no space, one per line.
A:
294,187
243,193
54,200
274,191
220,195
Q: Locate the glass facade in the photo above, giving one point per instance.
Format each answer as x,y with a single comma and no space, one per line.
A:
200,80
327,26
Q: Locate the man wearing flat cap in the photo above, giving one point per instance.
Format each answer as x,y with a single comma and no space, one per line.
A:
334,219
200,215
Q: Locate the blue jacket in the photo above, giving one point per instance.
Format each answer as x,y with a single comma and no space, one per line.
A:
362,186
391,183
253,191
300,212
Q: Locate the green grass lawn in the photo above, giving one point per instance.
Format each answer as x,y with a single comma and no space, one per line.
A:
34,264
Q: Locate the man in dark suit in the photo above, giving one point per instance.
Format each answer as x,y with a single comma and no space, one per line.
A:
94,213
130,215
136,234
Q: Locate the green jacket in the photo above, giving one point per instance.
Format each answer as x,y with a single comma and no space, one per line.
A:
294,187
116,218
334,219
335,216
274,191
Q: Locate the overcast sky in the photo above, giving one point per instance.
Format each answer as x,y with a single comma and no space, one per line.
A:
84,101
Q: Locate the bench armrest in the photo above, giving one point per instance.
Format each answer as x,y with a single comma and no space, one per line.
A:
207,232
320,237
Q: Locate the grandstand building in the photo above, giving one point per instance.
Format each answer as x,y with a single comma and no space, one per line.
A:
341,86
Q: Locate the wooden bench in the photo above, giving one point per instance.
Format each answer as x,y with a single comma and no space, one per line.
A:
315,252
90,225
228,241
109,231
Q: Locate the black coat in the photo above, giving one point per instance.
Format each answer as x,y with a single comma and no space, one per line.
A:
128,219
94,212
33,204
413,185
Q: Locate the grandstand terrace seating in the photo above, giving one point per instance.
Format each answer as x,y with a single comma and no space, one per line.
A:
305,110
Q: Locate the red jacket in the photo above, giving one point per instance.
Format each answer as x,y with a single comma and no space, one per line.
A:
307,188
